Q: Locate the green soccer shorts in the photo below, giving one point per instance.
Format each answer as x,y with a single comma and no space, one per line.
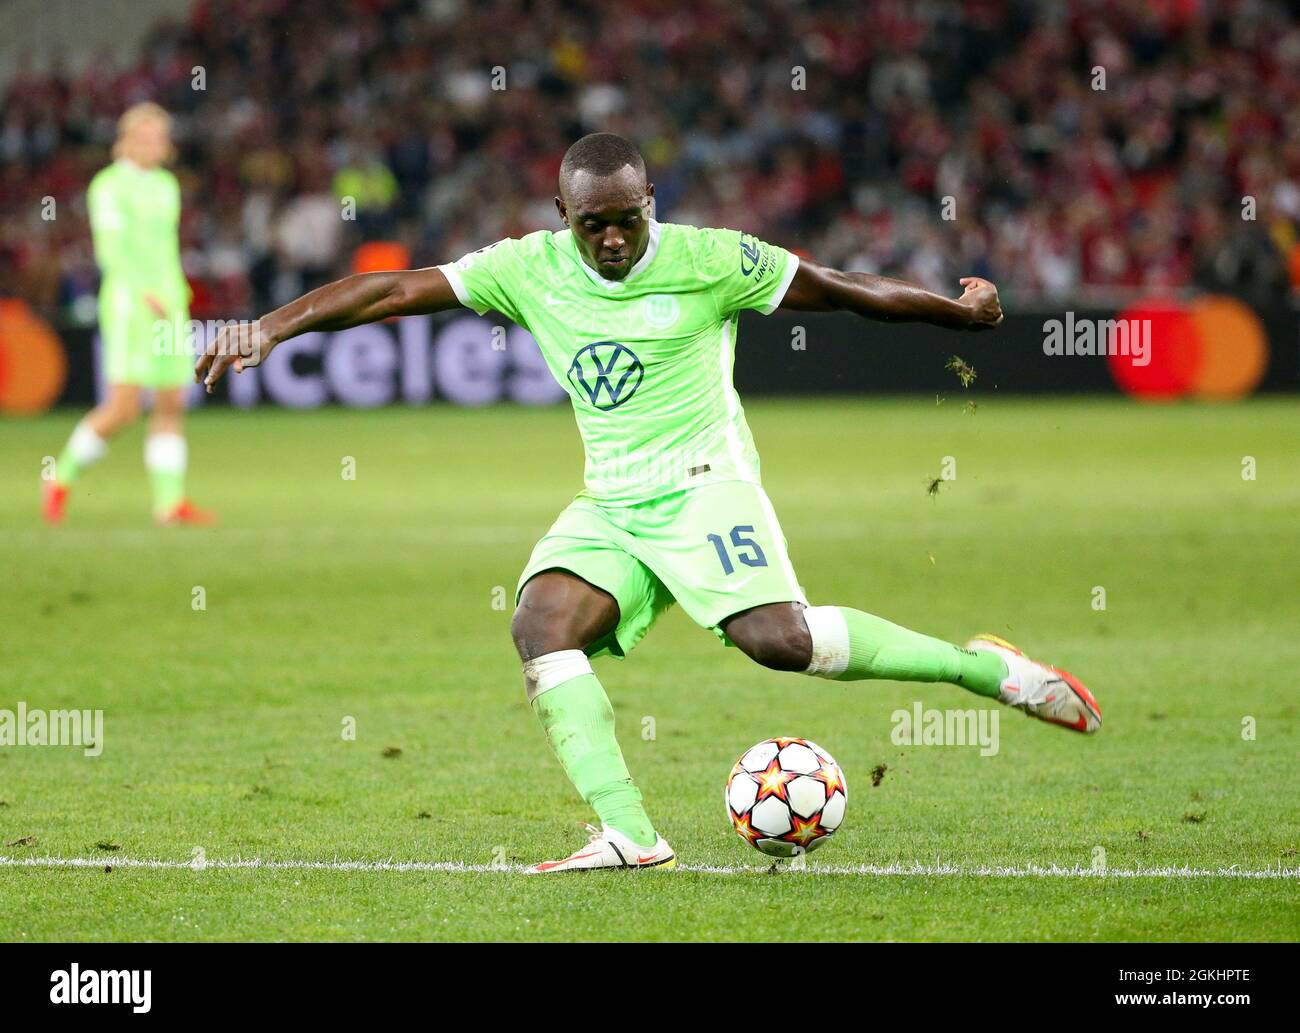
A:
717,549
136,349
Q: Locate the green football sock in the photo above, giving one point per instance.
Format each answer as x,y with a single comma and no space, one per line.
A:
165,459
879,649
579,724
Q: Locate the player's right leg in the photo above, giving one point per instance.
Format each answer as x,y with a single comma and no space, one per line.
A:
583,594
88,444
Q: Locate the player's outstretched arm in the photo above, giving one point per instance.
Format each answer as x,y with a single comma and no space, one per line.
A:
817,288
365,298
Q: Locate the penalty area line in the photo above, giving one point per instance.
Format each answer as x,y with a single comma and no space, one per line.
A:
886,870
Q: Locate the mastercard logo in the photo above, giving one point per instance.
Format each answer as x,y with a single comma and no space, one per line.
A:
381,256
33,365
1212,348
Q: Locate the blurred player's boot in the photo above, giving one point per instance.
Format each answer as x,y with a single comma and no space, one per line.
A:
1043,691
165,457
184,512
54,501
84,448
609,848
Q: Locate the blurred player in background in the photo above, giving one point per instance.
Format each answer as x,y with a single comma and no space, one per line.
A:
135,207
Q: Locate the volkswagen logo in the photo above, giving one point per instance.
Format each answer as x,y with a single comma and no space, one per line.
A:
607,372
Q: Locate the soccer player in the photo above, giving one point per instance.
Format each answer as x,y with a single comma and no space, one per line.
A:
135,210
637,320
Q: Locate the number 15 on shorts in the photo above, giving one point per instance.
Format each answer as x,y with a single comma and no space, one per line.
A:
743,548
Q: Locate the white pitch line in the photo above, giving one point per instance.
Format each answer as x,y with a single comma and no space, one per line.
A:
923,870
437,534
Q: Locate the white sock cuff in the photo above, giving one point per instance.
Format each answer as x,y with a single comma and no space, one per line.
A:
543,673
166,452
86,446
830,641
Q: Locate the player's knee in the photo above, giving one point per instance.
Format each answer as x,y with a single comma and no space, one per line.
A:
774,636
539,628
558,611
168,406
785,650
123,410
524,631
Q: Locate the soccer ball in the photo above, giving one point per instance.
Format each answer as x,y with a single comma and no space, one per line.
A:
786,796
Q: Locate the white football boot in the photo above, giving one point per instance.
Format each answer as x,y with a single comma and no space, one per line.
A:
609,848
1041,690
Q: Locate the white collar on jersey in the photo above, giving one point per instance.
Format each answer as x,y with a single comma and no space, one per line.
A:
613,285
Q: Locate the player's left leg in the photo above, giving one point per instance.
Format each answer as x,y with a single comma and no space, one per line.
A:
723,556
849,645
166,456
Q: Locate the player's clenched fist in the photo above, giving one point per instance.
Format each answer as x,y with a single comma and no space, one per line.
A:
241,345
981,298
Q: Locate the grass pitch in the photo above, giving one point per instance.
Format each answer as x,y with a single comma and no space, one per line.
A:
382,603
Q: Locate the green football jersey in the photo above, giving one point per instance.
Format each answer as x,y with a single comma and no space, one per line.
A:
135,218
646,360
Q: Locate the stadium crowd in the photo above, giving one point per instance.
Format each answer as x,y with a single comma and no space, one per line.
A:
1060,149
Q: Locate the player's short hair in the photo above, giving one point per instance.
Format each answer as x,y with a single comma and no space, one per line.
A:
601,154
146,111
